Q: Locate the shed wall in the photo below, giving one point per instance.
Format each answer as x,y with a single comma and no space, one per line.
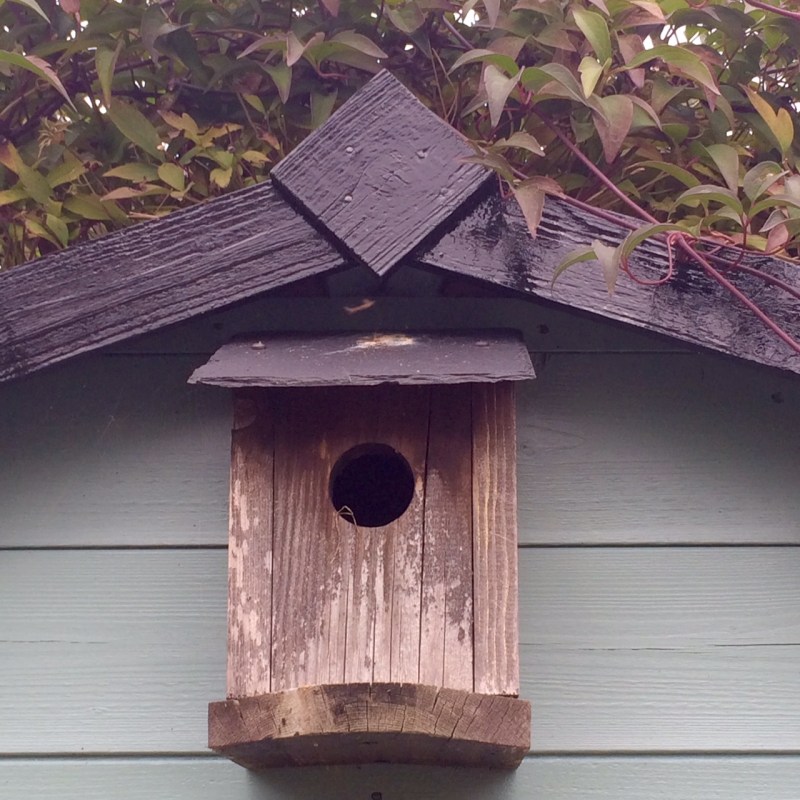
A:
659,572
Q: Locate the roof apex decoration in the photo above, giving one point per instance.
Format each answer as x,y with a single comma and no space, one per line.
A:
381,174
383,181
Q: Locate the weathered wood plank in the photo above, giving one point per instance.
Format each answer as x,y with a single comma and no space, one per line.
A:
143,278
494,526
352,359
382,173
338,582
250,547
667,449
493,244
665,649
598,778
371,723
446,656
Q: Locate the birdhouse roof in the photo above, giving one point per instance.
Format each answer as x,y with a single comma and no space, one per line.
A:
384,182
358,359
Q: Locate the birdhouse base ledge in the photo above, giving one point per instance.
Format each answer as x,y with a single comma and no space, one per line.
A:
367,723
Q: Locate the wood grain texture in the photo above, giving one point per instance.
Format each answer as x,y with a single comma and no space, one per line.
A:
353,359
154,274
347,597
494,526
564,778
381,174
446,653
371,722
250,546
493,244
625,649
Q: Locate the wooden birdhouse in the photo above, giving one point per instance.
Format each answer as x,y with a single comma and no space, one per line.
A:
373,577
373,550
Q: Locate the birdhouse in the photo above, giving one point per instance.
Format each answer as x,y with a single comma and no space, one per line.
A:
373,544
372,554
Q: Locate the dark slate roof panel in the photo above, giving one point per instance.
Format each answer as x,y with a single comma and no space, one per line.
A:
358,359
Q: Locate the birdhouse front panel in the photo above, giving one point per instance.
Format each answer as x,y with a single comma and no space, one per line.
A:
372,546
352,555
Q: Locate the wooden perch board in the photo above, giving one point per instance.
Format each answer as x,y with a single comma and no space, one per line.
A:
359,723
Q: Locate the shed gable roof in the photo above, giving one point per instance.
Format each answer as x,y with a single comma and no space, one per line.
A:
382,182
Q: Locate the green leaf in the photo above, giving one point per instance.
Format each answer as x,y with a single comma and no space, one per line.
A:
522,140
362,44
295,49
135,127
105,61
87,206
33,6
34,183
716,194
540,79
727,162
39,67
137,172
255,101
575,258
555,35
282,78
69,170
493,161
679,173
590,70
492,11
530,198
609,258
504,62
222,177
594,27
172,175
680,59
59,229
409,18
498,88
779,124
322,104
13,195
614,124
758,179
636,237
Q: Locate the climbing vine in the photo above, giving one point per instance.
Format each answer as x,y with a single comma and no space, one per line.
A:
679,114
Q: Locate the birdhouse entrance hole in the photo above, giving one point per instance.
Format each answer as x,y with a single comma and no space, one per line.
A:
371,485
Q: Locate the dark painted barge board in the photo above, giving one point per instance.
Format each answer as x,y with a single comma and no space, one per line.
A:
492,243
143,278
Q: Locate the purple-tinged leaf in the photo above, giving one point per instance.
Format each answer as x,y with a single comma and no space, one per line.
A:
614,124
498,88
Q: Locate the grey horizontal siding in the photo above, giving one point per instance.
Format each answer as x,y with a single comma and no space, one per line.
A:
615,448
719,778
623,649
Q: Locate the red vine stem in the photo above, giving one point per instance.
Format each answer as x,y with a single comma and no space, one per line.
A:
679,238
783,12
